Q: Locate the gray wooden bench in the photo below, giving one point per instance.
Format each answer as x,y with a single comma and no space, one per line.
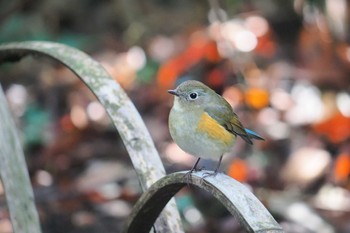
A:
156,206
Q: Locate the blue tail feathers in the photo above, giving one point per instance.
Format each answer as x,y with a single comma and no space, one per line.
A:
253,135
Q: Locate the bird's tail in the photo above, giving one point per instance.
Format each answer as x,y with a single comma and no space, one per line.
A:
253,135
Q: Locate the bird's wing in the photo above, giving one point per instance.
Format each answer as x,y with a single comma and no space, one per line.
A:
227,118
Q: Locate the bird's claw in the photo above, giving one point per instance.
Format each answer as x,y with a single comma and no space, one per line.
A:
208,174
188,175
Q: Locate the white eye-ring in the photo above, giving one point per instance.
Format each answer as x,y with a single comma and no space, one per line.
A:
193,95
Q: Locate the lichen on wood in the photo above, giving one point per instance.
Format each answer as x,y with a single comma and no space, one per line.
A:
14,175
119,107
238,200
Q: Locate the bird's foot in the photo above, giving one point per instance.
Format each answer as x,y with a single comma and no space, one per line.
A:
188,175
208,174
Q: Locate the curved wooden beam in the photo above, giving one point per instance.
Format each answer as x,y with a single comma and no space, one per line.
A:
121,110
14,175
238,200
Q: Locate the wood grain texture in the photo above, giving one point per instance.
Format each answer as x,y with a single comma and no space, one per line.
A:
238,200
14,175
119,107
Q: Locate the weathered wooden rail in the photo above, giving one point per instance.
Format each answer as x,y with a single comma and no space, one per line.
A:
158,188
238,200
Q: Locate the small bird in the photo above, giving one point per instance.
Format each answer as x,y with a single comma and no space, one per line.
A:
203,124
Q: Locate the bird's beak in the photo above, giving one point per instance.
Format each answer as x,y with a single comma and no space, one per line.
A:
173,92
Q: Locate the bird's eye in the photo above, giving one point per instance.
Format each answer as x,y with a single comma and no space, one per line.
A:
193,95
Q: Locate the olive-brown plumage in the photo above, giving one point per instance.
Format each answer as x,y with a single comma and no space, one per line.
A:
203,123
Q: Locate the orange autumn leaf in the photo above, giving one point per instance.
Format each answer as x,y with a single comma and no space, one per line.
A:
211,52
238,170
342,167
168,73
257,98
193,54
215,78
266,46
336,129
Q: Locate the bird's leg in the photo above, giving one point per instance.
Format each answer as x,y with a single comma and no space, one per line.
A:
216,171
194,168
217,168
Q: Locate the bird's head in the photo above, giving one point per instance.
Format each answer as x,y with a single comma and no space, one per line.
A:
192,94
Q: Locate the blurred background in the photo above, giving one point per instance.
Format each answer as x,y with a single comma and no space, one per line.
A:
284,67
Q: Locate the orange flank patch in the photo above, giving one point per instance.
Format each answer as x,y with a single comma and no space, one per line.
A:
213,129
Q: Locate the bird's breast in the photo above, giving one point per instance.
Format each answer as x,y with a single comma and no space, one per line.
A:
199,134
